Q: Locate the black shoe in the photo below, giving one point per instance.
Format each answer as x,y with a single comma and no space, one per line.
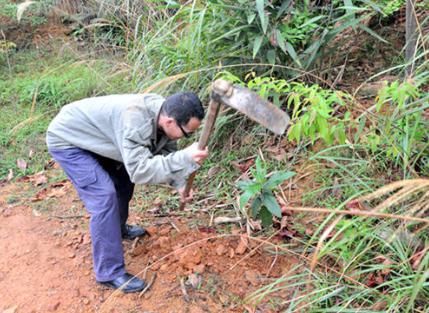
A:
132,231
127,283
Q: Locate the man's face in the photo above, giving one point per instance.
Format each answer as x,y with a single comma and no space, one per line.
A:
175,131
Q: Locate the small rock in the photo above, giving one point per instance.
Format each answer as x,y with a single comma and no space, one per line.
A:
189,257
86,301
152,230
164,231
138,250
231,253
72,255
54,307
199,268
7,212
76,293
156,266
86,239
87,273
252,277
242,245
164,267
220,249
163,242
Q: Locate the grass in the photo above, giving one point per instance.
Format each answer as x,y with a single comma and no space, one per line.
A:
35,86
364,264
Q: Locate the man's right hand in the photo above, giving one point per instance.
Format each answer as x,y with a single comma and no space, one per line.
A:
197,154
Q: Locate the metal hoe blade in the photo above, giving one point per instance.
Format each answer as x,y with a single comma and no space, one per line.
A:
253,106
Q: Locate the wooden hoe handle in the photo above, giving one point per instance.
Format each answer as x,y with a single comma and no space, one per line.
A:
203,141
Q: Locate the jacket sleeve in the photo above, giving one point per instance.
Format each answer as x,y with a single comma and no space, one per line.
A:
143,167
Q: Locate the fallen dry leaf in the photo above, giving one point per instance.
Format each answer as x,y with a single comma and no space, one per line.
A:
242,245
208,230
417,258
11,309
38,179
226,219
243,166
21,164
277,153
10,175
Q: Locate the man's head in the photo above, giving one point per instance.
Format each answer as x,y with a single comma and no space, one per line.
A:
181,115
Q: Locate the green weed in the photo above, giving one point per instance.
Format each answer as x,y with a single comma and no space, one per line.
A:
260,190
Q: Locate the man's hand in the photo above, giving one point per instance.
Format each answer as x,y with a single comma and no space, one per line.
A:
183,197
197,154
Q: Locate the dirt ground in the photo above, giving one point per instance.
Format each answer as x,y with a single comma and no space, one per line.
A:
46,263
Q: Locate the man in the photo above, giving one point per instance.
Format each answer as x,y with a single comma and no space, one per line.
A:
107,144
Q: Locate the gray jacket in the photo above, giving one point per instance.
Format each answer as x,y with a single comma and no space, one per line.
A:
123,128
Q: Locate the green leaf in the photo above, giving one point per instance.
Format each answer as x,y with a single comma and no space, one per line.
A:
349,4
255,207
277,178
270,202
260,4
281,41
260,171
372,33
312,20
266,217
245,197
271,56
251,18
285,6
257,44
291,50
244,184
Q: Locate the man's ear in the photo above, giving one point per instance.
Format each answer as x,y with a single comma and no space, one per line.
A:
169,120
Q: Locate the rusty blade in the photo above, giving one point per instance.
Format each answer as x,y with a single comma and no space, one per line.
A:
256,108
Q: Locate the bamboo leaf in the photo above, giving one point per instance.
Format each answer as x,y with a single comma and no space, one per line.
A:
257,44
372,33
291,50
260,5
285,6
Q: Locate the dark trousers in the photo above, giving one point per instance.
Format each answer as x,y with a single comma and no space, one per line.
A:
105,188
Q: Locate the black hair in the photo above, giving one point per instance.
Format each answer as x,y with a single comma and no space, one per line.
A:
183,106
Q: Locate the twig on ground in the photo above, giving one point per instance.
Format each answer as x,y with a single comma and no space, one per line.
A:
183,288
360,213
174,226
274,261
152,280
225,219
64,217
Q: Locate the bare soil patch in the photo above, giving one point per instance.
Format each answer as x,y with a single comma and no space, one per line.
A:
46,263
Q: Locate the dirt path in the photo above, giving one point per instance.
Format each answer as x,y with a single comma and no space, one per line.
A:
46,265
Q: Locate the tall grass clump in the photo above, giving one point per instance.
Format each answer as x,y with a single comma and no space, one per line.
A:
32,92
198,39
